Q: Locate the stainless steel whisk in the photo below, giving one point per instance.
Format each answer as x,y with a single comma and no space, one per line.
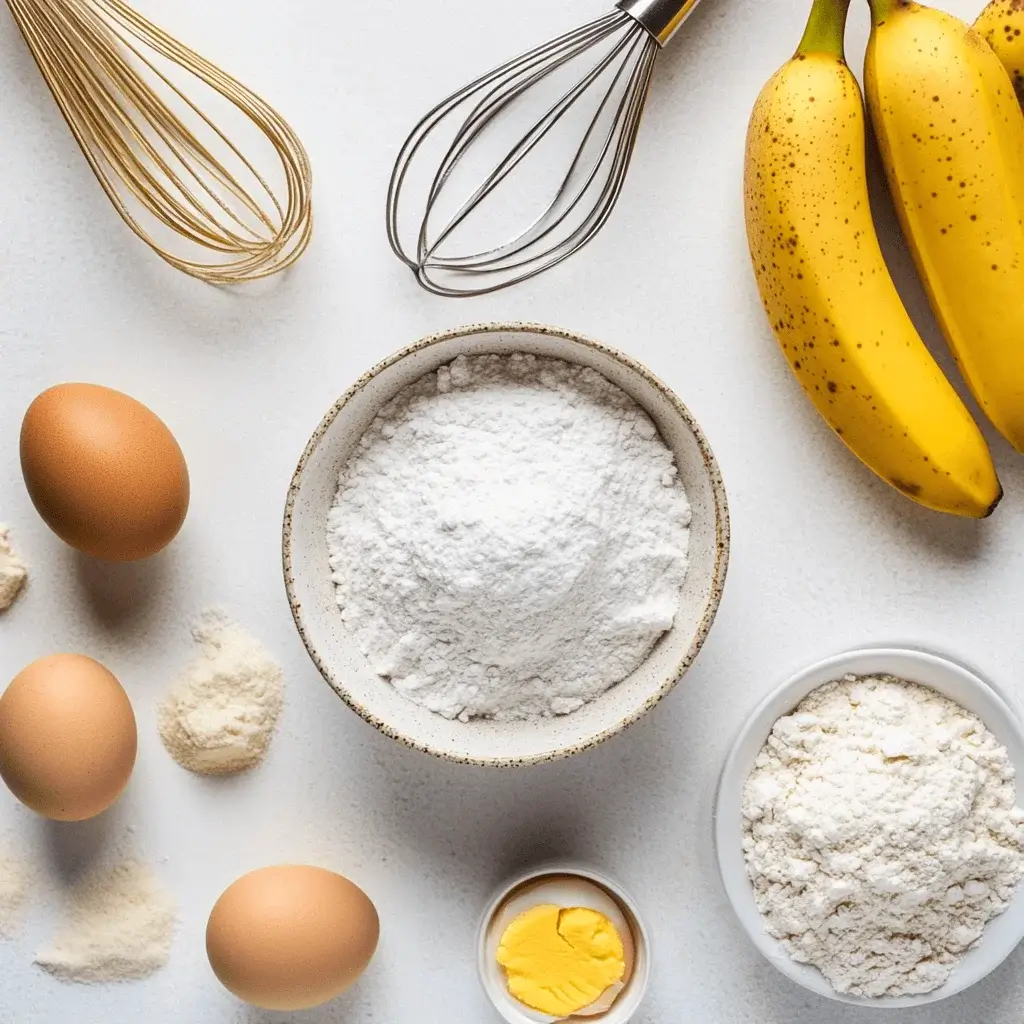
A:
607,63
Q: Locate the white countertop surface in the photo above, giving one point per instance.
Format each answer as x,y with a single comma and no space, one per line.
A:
824,556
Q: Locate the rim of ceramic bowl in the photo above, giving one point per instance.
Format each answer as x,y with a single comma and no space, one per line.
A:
732,870
717,582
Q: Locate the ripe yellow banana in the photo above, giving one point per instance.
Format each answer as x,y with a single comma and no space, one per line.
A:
951,135
1001,24
828,294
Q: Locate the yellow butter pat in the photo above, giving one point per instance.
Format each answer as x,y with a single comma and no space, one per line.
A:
561,960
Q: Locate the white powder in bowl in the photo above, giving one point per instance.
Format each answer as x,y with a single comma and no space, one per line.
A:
220,715
509,539
881,834
119,925
13,571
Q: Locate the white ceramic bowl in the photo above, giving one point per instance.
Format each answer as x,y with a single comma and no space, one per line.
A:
492,976
335,652
952,680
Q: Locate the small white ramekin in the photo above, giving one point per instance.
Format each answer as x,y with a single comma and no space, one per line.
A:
492,977
952,680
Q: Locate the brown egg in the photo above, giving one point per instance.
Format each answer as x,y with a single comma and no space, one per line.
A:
103,471
67,737
291,937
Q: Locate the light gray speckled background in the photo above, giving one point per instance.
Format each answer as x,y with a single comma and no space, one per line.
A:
824,556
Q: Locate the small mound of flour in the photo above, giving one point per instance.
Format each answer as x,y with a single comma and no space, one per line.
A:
509,539
220,715
882,834
119,926
16,882
13,571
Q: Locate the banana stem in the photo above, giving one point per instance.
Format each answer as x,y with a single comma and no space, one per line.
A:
826,28
882,9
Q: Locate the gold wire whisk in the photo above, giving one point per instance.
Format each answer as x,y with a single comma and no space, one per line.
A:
111,72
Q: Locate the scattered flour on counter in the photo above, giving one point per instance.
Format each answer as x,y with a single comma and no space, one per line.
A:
509,538
16,883
881,834
220,715
119,926
13,571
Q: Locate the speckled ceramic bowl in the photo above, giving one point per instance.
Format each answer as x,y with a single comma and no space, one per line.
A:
335,652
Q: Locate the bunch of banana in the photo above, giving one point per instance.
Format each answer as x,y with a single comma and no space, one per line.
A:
951,135
830,299
1002,26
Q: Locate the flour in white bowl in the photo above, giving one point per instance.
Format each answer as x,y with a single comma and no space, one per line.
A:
509,539
881,834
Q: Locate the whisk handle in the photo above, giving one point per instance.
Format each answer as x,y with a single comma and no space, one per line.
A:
661,18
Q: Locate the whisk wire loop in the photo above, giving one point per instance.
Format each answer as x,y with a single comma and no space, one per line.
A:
519,152
558,50
498,89
517,253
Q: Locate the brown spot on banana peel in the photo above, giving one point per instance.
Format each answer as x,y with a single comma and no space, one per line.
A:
912,490
905,487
